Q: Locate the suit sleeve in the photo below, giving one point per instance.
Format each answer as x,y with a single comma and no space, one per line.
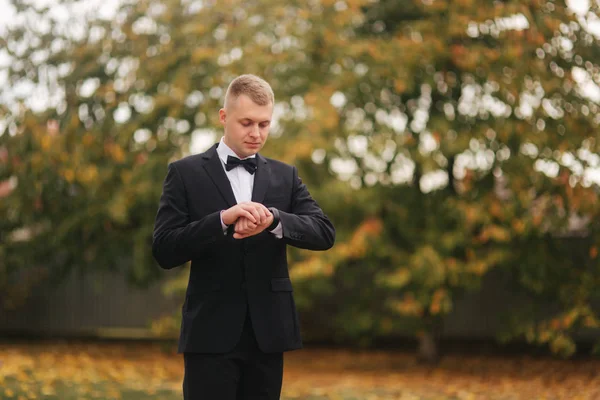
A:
176,240
306,226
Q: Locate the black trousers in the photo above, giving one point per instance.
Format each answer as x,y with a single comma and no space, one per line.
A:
245,373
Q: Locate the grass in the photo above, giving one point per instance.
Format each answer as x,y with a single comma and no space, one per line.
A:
62,390
65,371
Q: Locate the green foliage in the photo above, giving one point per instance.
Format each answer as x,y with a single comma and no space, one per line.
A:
445,139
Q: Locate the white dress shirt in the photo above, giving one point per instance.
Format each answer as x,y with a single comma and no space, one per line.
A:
242,182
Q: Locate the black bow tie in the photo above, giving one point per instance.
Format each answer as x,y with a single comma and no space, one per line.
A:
249,163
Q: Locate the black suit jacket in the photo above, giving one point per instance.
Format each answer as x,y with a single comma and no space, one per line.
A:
229,276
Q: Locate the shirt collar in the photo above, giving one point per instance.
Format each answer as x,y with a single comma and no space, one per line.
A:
223,151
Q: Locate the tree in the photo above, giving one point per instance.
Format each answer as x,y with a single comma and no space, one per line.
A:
95,106
446,139
472,124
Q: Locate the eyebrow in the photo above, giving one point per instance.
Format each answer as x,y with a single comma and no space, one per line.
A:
251,120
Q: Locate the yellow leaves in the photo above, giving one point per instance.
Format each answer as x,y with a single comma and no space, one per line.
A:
69,175
440,302
87,174
126,176
563,345
463,57
46,142
319,264
591,321
324,115
117,208
400,86
37,161
593,252
108,371
358,244
194,28
472,213
553,24
495,233
518,225
87,140
116,152
313,266
478,267
90,371
397,279
201,54
408,306
427,266
370,227
491,55
496,209
302,149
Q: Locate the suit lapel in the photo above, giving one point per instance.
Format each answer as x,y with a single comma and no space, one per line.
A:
215,170
262,176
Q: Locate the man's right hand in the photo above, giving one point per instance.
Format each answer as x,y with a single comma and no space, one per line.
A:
256,213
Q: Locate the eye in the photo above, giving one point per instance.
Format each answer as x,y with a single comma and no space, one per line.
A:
264,124
246,123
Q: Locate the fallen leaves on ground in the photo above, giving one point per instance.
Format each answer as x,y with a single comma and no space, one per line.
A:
143,370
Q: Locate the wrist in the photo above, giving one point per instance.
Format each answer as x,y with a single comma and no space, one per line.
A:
276,220
223,218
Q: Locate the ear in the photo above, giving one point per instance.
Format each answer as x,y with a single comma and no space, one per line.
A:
222,115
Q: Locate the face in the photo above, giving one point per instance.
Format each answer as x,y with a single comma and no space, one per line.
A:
246,125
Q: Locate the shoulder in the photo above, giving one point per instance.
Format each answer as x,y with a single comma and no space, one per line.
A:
279,166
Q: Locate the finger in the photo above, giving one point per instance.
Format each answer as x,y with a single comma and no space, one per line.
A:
240,226
264,215
246,226
263,212
260,208
269,220
245,213
256,215
240,235
251,208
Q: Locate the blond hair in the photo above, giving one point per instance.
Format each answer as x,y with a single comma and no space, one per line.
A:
252,86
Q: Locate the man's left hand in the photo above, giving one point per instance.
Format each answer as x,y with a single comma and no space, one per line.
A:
245,228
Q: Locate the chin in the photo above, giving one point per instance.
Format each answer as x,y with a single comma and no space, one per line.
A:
252,149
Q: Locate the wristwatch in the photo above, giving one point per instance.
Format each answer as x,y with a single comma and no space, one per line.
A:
276,220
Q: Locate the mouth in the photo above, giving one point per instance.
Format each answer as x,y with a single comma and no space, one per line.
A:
253,144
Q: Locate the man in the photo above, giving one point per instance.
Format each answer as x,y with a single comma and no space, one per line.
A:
232,213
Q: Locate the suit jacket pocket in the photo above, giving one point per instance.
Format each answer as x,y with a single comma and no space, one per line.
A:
281,285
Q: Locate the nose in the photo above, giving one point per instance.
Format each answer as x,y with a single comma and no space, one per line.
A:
254,131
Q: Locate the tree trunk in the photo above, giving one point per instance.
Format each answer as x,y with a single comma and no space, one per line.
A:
428,348
429,340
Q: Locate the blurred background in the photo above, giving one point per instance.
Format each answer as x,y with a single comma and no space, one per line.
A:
454,144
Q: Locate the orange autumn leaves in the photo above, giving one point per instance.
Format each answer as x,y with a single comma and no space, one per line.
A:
112,370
